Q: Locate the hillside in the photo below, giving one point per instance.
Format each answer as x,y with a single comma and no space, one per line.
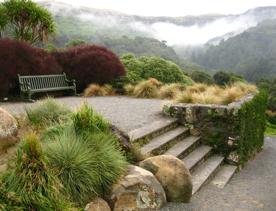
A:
243,43
251,53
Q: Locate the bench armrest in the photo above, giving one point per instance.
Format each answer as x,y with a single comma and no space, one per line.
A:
73,81
25,86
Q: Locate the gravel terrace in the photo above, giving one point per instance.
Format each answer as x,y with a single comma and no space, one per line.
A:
124,112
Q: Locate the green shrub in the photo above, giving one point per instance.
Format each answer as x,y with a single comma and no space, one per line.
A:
85,119
87,165
202,77
31,181
134,68
225,78
47,112
252,122
147,67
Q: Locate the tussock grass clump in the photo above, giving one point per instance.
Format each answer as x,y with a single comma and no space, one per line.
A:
129,88
170,91
147,89
184,97
85,119
87,165
33,184
197,88
204,94
97,90
47,112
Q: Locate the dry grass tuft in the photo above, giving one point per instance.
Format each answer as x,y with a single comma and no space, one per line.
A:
155,82
170,91
204,94
129,88
146,89
184,97
97,90
198,87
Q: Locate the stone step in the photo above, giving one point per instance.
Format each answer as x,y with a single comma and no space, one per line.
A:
205,171
164,139
155,128
197,156
183,147
224,175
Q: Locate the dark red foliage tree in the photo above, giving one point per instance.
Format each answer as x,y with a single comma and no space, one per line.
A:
90,64
17,57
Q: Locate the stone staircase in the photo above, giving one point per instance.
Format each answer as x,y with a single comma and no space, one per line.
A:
168,137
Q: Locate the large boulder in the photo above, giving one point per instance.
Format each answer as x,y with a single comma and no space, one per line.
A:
97,204
8,129
173,176
137,190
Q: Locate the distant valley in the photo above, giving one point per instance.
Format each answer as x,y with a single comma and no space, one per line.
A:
208,42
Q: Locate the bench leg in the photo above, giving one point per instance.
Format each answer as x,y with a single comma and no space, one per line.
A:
30,97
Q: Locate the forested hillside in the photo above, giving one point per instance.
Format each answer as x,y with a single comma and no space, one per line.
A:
252,53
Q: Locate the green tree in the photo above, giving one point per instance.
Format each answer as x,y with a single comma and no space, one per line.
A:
28,21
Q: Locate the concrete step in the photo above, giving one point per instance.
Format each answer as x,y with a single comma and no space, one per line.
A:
155,128
183,147
205,171
224,175
164,139
197,156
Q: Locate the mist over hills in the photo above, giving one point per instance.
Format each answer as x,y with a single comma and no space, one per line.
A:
238,43
187,30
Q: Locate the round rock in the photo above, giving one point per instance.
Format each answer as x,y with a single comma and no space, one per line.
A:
137,190
173,176
8,129
97,204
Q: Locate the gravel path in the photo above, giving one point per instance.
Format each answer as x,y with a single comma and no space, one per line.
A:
124,112
253,188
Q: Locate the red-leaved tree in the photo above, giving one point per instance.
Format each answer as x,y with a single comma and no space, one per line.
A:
17,57
90,64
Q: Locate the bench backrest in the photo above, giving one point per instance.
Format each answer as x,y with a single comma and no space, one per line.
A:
44,81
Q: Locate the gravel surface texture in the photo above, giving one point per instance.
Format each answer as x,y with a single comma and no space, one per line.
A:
253,188
124,112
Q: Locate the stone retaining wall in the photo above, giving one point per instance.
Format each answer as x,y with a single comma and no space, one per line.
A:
223,126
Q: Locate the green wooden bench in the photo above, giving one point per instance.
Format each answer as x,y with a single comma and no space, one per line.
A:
31,84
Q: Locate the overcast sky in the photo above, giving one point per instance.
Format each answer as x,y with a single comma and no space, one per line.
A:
174,7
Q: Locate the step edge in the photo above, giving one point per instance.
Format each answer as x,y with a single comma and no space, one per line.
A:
213,172
183,131
228,178
131,135
191,144
203,156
